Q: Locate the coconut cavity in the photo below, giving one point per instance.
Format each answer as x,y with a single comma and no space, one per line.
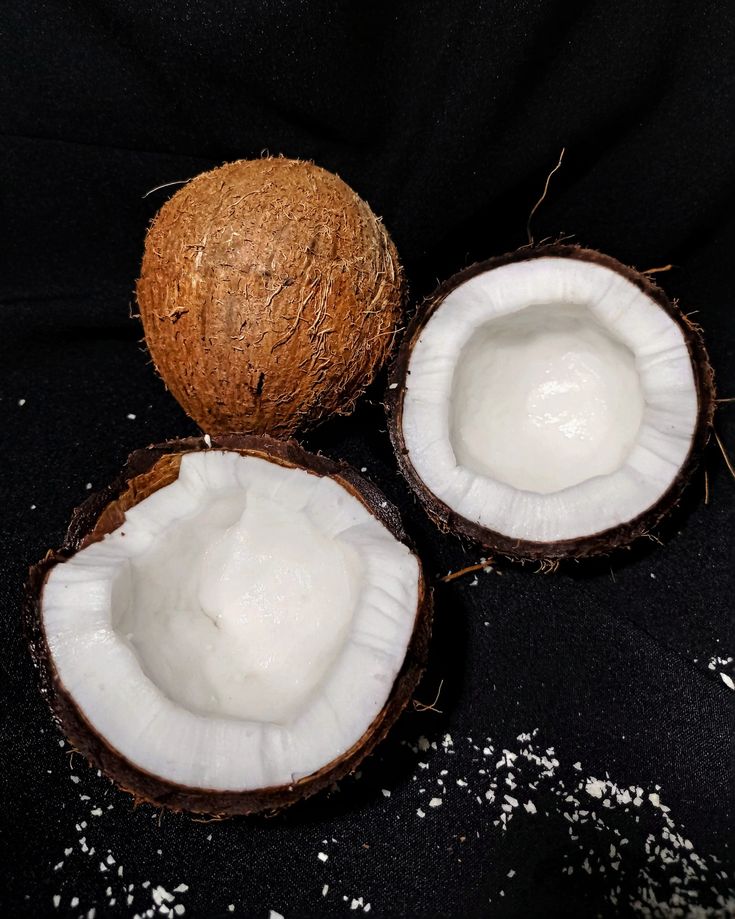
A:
542,401
241,629
227,613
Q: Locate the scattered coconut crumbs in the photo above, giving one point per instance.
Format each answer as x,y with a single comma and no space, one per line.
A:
625,837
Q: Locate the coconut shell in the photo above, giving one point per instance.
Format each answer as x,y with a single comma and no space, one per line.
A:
270,295
596,544
146,471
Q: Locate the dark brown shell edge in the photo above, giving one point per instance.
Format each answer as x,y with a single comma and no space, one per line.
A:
596,544
103,512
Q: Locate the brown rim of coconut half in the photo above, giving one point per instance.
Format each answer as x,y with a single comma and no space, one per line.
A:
155,710
550,403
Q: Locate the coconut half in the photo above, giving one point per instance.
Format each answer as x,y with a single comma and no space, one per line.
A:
228,630
550,403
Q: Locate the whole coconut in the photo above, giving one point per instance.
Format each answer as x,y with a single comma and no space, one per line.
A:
270,295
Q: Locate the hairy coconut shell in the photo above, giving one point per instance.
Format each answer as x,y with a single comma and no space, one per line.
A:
596,544
270,295
145,472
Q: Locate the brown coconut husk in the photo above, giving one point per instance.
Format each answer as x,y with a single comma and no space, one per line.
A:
270,295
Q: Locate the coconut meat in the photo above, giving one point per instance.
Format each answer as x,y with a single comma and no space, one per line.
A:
241,629
549,399
551,382
230,618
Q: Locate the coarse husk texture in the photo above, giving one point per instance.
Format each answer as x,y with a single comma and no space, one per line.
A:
270,295
146,471
596,544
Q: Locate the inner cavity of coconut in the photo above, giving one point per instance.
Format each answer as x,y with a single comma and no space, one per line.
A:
545,398
548,399
240,609
242,628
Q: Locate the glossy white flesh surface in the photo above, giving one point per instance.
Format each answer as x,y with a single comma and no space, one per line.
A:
241,629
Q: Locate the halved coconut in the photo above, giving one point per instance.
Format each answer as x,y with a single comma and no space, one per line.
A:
228,630
550,403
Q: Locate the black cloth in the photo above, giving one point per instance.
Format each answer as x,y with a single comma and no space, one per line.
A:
447,118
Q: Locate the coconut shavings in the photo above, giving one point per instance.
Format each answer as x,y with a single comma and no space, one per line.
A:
624,835
114,888
623,838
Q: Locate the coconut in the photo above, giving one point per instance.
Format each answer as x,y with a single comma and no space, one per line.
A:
550,403
229,629
269,295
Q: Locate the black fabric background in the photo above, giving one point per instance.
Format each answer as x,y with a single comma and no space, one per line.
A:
446,117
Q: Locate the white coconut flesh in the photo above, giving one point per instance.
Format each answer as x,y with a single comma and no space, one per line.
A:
549,399
241,629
